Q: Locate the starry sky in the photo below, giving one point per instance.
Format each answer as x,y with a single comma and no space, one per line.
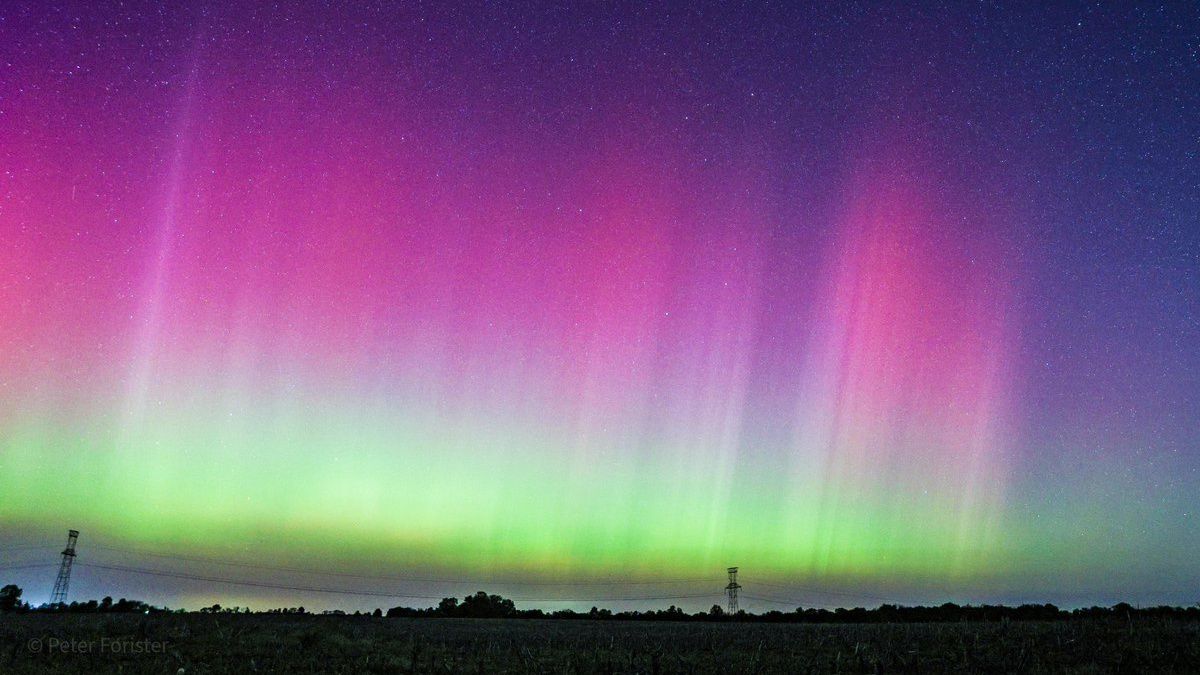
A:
878,303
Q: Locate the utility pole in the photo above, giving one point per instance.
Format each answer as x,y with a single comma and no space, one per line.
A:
731,590
59,596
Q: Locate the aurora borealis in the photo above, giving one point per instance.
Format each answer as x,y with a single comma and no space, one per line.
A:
901,302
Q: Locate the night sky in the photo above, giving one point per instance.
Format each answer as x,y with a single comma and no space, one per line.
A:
878,303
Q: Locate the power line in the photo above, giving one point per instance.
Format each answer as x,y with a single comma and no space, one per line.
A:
349,575
818,591
789,603
440,580
779,601
26,547
792,603
342,591
24,566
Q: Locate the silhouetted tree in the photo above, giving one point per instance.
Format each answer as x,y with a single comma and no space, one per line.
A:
10,598
484,606
448,607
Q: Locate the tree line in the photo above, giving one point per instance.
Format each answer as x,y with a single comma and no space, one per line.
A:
10,601
482,605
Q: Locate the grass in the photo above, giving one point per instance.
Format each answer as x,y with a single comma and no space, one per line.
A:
310,644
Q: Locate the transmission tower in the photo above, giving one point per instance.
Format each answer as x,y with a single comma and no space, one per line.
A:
64,570
731,590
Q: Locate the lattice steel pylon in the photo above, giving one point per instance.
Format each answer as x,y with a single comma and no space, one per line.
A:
731,590
64,570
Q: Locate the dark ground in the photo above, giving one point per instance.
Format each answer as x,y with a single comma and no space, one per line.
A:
198,643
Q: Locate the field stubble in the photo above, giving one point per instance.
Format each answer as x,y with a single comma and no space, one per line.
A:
197,643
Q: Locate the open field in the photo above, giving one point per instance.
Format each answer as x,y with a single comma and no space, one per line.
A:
63,643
